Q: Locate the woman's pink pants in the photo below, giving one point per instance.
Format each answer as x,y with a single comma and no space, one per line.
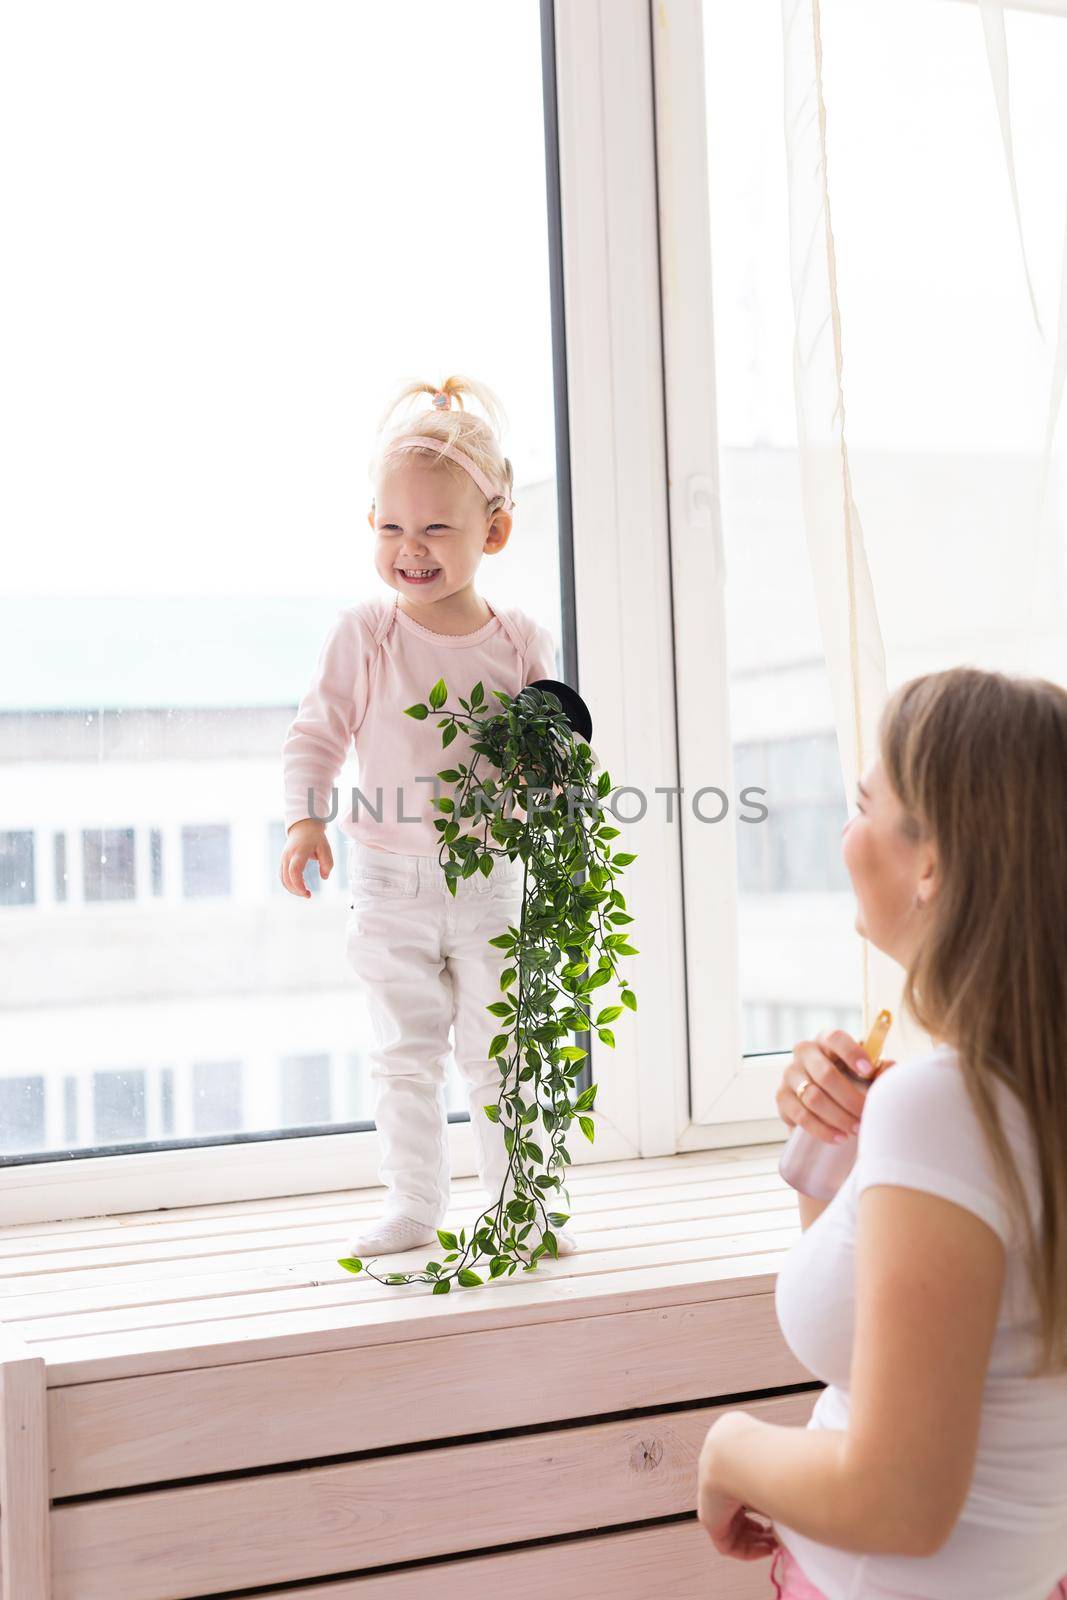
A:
791,1584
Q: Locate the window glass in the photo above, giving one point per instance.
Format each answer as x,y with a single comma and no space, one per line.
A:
201,328
946,383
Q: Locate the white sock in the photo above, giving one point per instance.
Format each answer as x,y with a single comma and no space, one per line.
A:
566,1243
389,1236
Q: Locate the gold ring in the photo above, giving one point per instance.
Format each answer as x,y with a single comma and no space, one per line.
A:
801,1087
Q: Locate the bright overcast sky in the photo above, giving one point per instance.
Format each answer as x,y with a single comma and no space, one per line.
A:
233,226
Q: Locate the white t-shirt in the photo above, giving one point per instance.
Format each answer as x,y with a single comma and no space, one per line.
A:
919,1130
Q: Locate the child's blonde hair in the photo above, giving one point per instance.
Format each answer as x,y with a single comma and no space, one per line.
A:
478,437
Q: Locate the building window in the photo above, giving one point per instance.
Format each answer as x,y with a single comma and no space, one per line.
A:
166,1101
118,1106
59,865
206,860
22,1113
70,1111
107,858
216,1096
16,869
155,859
305,1090
796,849
774,1025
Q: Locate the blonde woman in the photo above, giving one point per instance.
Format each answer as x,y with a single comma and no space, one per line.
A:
930,1294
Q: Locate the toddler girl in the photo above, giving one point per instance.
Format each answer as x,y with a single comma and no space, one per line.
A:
442,500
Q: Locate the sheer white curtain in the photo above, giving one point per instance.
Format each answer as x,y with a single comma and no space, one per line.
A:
926,147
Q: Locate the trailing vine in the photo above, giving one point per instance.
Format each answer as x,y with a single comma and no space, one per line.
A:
572,914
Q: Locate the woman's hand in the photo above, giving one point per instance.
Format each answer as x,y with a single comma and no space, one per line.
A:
833,1103
731,1526
306,842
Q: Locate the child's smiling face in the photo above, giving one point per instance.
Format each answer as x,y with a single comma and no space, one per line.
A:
430,518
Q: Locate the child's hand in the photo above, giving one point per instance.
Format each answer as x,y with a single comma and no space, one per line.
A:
307,842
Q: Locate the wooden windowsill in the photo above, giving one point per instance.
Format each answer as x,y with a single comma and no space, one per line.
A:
200,1286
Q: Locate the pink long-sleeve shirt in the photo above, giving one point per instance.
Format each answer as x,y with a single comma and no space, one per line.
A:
374,662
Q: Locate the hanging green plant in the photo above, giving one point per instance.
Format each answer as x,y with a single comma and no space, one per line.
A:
569,937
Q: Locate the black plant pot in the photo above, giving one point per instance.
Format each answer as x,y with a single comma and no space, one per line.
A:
574,707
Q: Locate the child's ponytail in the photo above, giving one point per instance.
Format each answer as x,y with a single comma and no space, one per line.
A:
444,424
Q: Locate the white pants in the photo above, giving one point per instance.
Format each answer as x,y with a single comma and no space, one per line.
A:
423,965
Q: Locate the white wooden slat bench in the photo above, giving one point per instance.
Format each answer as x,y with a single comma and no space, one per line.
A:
200,1402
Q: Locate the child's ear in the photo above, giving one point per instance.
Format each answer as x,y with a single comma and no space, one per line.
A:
498,532
370,516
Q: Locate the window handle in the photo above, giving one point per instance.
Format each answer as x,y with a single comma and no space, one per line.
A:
702,511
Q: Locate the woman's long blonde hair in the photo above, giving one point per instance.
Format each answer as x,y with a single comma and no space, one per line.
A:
979,762
479,437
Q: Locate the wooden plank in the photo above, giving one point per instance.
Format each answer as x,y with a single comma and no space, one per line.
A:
411,1313
76,1264
605,1178
673,1561
295,1266
131,1431
24,1521
284,1526
764,1156
37,1319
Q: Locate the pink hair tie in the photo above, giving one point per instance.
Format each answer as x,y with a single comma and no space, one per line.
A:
421,441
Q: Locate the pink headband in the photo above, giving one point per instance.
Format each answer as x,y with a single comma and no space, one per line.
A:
422,441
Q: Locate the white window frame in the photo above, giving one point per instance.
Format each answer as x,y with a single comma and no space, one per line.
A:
731,1095
650,637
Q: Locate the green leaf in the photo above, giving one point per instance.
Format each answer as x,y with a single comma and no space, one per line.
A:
558,1218
438,694
449,775
501,1008
586,1099
498,1265
549,1240
586,1125
492,1112
498,1043
448,1240
606,1036
469,1279
629,999
419,712
350,1263
623,859
448,735
477,695
608,1014
507,977
572,1052
442,1286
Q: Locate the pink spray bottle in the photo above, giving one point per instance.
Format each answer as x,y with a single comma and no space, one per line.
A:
811,1165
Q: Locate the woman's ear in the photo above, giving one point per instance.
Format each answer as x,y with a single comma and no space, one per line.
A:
929,877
